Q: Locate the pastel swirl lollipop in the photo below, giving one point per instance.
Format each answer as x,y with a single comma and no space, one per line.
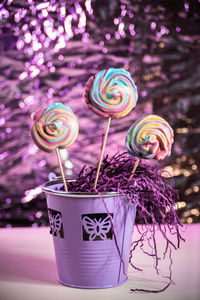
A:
150,137
111,93
56,127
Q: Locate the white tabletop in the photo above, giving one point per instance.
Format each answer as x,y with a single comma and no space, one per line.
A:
28,270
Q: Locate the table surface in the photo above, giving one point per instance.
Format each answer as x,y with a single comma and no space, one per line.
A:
28,270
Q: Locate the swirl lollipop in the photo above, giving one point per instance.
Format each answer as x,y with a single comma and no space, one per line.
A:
111,93
150,137
55,128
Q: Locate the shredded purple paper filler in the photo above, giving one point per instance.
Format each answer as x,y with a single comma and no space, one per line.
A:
155,197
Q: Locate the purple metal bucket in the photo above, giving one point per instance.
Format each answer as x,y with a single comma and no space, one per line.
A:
89,254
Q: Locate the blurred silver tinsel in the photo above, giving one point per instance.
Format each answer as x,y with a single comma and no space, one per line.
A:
48,51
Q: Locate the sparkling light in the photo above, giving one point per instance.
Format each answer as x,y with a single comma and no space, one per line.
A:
194,167
60,44
89,7
68,164
195,212
35,72
32,149
2,121
29,100
62,11
38,214
4,155
108,36
27,37
196,189
189,220
42,5
20,14
186,5
20,44
82,21
31,194
182,130
3,13
8,200
52,69
179,205
121,28
153,25
68,26
116,21
44,13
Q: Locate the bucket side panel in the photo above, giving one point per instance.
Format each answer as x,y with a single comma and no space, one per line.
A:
92,263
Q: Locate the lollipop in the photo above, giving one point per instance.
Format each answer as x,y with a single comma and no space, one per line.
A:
111,93
150,137
55,128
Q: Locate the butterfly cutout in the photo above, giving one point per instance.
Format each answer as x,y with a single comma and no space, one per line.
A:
55,223
96,228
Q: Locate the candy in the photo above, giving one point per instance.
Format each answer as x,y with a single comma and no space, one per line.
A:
150,137
111,93
56,127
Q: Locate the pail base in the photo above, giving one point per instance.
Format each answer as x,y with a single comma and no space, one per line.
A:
92,287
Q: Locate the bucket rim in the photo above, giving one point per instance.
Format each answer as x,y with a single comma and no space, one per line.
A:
47,188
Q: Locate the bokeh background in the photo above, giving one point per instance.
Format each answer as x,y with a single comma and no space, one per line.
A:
48,51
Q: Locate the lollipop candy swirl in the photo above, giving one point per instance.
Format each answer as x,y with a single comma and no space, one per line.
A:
56,127
111,93
150,137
